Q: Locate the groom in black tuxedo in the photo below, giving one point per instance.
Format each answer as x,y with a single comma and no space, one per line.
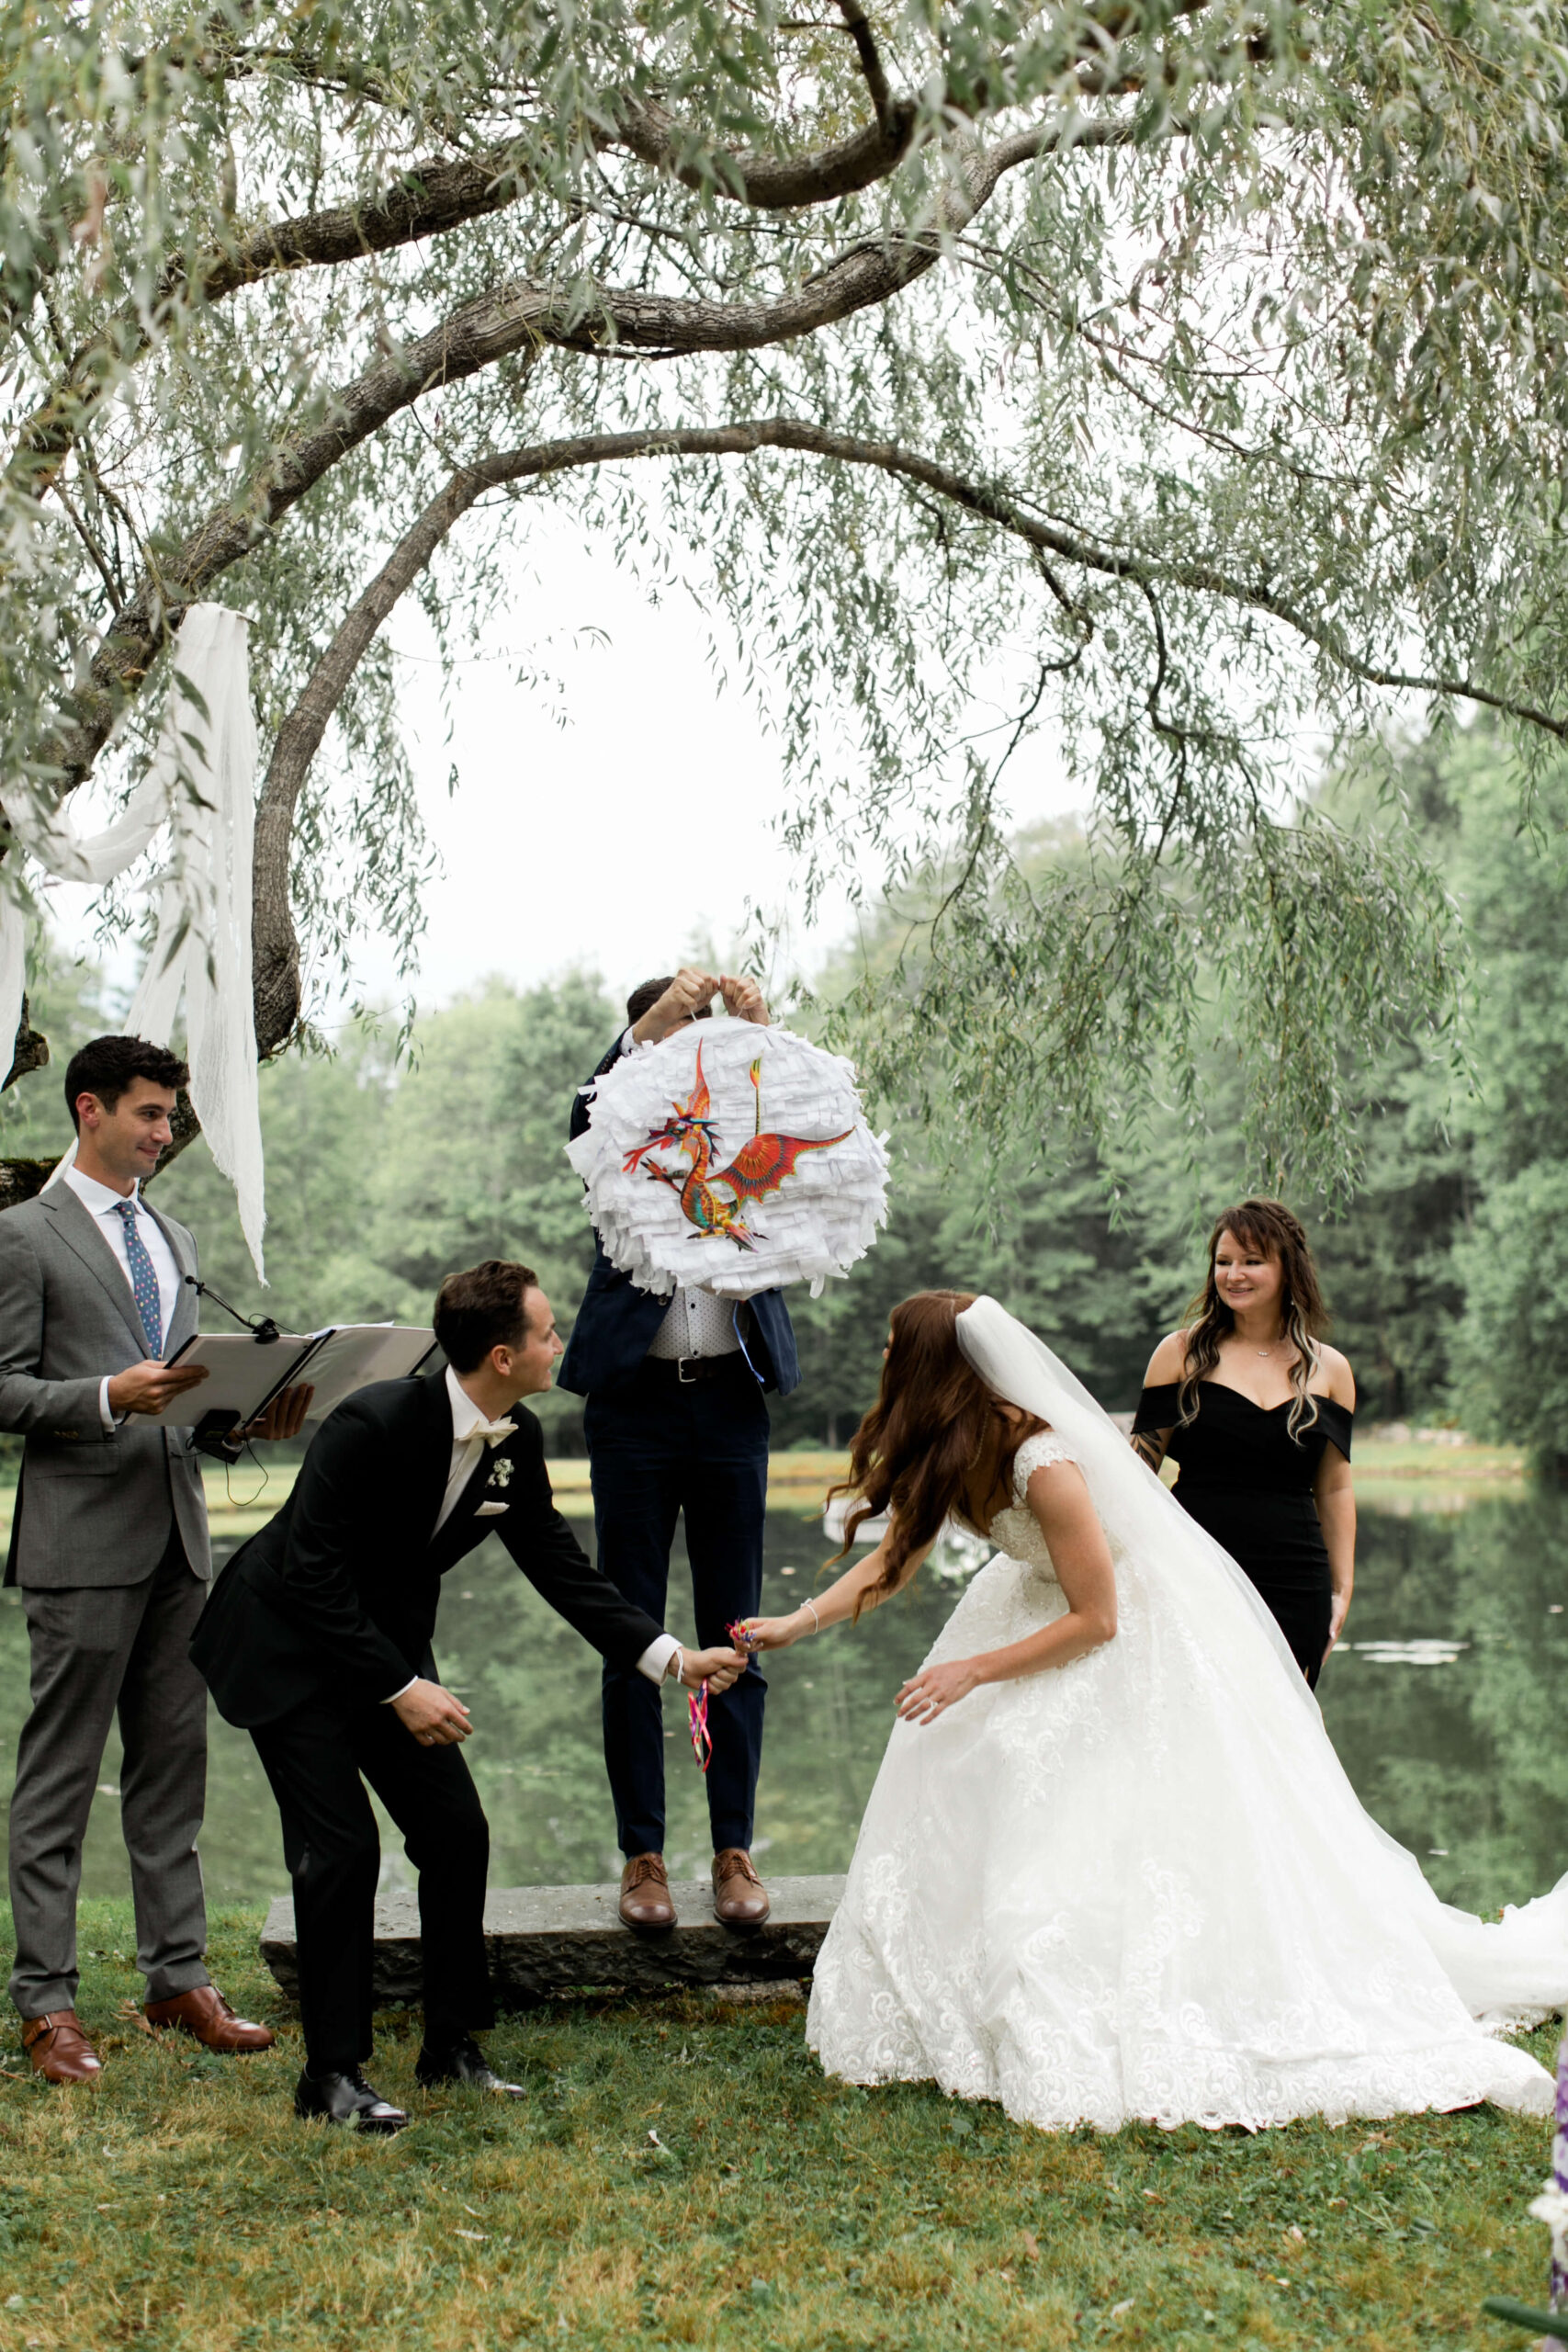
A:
317,1641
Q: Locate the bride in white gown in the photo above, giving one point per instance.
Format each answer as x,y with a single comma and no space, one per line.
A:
1112,1867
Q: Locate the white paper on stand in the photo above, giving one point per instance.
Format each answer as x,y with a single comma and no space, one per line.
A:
244,1374
241,1374
355,1354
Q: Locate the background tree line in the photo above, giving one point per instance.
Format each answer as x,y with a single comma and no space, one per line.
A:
1447,1272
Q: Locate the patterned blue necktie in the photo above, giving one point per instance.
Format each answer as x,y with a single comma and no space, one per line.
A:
143,1280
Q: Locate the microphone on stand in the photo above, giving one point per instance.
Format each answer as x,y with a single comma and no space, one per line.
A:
217,1433
261,1327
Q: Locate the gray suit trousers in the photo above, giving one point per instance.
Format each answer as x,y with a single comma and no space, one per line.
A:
95,1650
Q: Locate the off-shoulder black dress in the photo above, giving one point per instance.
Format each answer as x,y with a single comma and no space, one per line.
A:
1247,1481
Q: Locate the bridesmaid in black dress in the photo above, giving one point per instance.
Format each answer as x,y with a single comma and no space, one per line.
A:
1258,1412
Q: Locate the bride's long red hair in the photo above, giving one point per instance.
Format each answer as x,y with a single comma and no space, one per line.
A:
936,1445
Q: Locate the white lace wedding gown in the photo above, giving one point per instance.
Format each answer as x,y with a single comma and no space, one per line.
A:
1141,1885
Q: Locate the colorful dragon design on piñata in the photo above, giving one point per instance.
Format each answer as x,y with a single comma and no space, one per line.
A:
758,1168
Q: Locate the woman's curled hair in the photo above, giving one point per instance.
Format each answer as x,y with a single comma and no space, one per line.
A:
1271,1228
936,1445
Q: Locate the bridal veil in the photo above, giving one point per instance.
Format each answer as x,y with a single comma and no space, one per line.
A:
1141,1884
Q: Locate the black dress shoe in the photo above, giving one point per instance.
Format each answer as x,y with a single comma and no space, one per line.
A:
345,2099
465,2061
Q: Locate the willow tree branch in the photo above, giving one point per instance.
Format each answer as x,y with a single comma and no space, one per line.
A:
22,1179
774,183
429,200
769,183
869,56
276,953
99,561
1200,577
274,946
29,1049
222,58
517,316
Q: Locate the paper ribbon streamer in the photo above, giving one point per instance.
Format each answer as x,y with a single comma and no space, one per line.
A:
697,1701
698,1724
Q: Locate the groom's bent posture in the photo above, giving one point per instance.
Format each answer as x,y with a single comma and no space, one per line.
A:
316,1640
677,1426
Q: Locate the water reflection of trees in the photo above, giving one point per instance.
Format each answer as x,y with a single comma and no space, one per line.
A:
537,1756
1467,1757
1464,1757
242,1854
533,1687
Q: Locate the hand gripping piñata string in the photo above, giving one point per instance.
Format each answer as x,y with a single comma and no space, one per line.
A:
697,1702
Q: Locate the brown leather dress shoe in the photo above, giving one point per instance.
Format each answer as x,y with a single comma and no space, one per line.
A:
739,1898
58,2049
205,2016
645,1893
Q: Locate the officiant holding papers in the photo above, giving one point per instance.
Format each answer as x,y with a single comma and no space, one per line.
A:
109,1549
246,1371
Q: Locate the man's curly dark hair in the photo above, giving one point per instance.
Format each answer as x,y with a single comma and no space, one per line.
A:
109,1066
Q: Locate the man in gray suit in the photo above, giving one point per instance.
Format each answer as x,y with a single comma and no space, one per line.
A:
109,1547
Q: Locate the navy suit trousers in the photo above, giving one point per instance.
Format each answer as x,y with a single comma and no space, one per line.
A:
658,1450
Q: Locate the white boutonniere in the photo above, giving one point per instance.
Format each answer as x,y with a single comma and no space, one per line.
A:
501,1474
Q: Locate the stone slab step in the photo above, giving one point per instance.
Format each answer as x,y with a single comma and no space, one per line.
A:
545,1941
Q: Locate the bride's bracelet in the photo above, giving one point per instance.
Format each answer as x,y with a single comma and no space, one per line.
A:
816,1621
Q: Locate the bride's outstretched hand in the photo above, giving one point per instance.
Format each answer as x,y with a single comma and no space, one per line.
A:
931,1693
773,1633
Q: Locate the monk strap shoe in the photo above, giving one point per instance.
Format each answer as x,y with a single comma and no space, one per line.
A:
345,2099
205,2016
58,2050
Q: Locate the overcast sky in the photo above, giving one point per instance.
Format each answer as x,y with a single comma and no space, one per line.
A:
613,842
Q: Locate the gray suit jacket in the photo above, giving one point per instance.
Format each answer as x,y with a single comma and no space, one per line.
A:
92,1508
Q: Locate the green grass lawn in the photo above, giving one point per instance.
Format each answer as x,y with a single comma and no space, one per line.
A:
682,2174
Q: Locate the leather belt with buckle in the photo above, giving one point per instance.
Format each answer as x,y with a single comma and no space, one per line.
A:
689,1370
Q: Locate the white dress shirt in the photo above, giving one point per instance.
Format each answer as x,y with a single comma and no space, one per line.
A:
104,1205
468,1427
697,1322
469,1430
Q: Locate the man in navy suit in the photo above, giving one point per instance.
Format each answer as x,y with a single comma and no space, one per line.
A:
676,1423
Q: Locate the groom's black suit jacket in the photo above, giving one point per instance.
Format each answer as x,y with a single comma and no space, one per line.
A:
338,1594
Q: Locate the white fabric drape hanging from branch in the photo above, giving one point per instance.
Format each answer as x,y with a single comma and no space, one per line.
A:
202,782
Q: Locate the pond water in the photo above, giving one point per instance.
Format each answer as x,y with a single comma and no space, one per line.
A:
1447,1711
